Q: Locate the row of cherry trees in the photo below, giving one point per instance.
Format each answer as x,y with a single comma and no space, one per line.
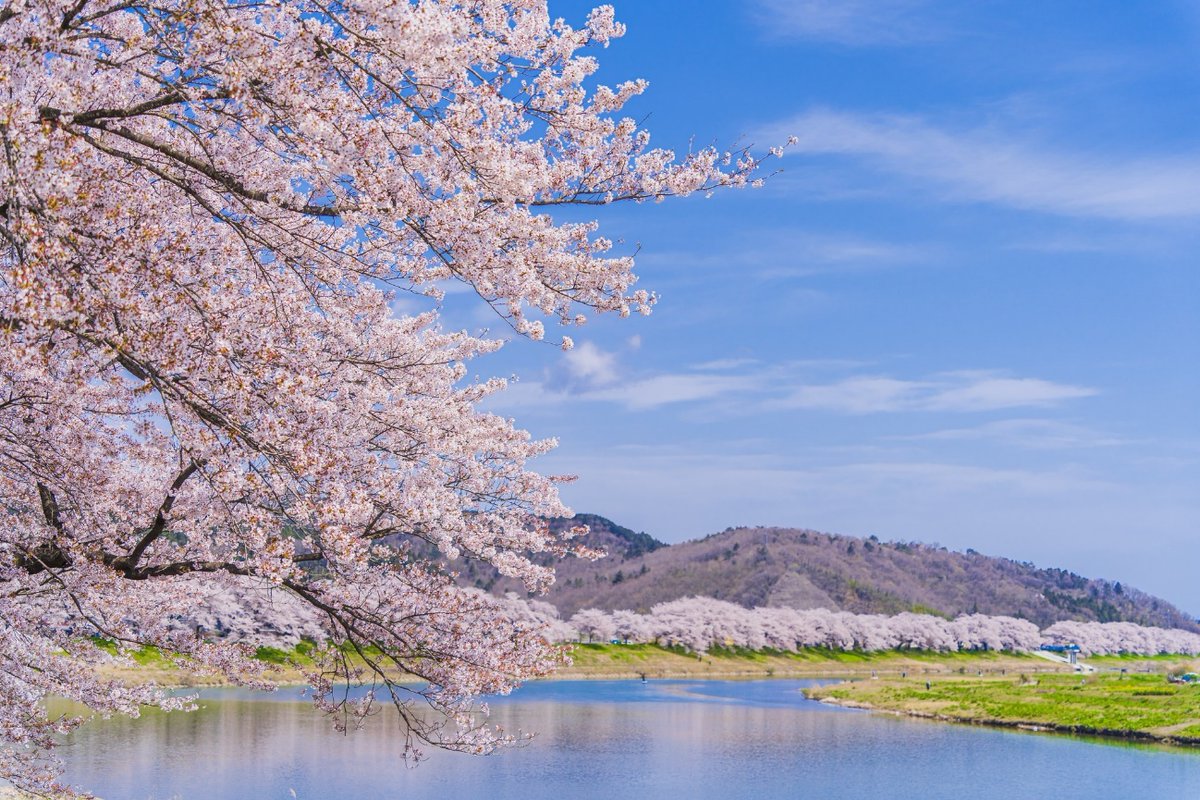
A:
1108,638
700,623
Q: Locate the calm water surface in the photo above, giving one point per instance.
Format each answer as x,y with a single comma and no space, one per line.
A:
613,739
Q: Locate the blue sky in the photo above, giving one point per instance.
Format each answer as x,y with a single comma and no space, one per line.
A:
967,311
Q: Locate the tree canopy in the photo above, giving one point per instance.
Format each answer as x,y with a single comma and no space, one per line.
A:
207,210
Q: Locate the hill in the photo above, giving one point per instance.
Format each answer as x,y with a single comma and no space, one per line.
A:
809,569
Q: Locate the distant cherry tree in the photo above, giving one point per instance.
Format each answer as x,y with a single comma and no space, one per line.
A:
630,626
702,623
593,624
209,214
1112,638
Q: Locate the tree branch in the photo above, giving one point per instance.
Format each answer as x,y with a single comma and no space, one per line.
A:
160,521
45,555
49,506
224,179
168,99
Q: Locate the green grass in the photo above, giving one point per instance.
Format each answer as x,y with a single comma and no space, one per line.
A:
1126,660
1131,704
145,655
964,658
148,656
1120,657
274,655
742,654
827,654
603,659
623,653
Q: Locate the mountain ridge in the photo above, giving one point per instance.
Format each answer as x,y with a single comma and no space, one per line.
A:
803,568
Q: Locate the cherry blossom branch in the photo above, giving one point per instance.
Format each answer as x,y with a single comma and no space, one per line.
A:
160,521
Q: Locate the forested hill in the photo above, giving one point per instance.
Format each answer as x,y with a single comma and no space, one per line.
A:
807,569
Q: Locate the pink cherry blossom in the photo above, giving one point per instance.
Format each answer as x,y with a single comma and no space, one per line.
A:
701,623
206,211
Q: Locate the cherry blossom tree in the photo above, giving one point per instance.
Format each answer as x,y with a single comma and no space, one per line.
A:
701,623
207,212
981,632
536,615
1110,638
594,624
631,627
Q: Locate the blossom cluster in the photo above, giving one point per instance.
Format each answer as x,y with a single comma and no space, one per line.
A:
701,623
1114,638
208,212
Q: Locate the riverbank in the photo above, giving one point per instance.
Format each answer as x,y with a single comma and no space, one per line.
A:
1129,697
636,661
614,661
1134,706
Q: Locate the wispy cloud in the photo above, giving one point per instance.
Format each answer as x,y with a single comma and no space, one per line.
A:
1004,167
857,395
668,389
850,22
726,364
747,488
747,385
1033,434
588,364
986,392
798,254
964,392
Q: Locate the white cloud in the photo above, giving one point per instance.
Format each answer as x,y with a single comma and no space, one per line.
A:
709,490
800,254
987,164
1034,434
661,390
849,22
951,392
983,393
725,364
644,394
750,386
860,395
590,366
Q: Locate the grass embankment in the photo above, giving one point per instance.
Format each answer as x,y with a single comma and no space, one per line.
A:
1132,706
614,661
149,665
652,661
1136,663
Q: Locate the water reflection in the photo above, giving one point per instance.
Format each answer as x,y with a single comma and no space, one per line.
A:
612,740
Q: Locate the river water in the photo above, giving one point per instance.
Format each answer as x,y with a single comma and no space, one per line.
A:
613,739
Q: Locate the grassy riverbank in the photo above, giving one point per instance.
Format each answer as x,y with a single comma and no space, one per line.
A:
652,661
615,661
1132,705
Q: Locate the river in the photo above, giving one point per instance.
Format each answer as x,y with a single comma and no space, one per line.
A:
612,739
